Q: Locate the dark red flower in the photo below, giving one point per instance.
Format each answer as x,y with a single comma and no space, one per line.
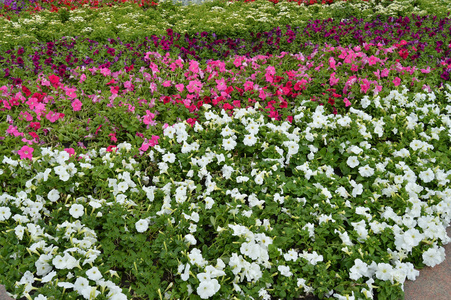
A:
111,51
34,134
35,125
111,148
229,90
98,129
128,69
191,121
207,100
54,80
26,91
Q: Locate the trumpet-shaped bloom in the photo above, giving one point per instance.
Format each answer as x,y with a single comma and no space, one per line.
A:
26,152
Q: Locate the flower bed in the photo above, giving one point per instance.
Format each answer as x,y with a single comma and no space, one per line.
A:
162,168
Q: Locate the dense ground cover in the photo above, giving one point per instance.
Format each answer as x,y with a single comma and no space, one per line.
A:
190,160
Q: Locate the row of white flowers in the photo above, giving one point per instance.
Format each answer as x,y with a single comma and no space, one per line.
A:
355,178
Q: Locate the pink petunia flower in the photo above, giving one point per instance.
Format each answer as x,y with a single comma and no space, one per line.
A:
346,101
52,116
12,130
248,85
26,152
385,72
332,63
180,87
76,105
105,72
194,66
70,92
71,151
397,81
114,89
148,118
113,137
221,85
333,80
372,60
365,86
194,86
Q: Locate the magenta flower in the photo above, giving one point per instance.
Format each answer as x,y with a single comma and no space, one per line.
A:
194,66
221,85
332,63
333,80
114,89
26,152
397,81
194,86
52,116
71,151
13,131
346,101
248,85
372,60
70,92
148,118
365,86
32,102
76,105
105,72
385,72
180,87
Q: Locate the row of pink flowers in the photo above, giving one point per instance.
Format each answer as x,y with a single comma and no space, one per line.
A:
328,75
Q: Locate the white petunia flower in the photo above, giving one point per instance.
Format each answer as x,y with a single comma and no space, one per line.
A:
142,225
19,230
209,202
384,271
94,274
5,213
285,271
48,277
122,187
81,285
291,255
427,176
53,195
208,288
76,210
169,157
64,176
249,140
359,269
190,239
434,256
366,171
59,262
352,161
228,144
